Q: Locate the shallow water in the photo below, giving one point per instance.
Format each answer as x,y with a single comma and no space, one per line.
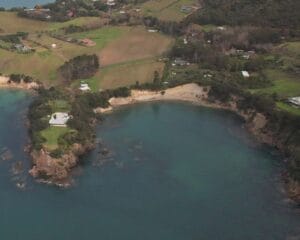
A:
176,172
22,3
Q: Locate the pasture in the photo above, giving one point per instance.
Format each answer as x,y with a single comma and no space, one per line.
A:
285,84
167,10
124,74
114,45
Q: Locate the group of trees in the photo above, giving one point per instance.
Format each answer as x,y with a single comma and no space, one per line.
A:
17,78
84,66
64,10
274,13
14,38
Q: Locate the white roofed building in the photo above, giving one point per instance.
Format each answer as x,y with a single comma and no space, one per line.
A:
245,74
59,119
84,87
295,101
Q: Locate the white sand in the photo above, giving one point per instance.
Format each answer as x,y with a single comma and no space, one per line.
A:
191,92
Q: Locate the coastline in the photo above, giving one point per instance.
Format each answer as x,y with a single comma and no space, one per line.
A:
255,122
6,84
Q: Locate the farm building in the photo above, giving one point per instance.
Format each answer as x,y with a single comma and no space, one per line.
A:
84,87
59,119
295,101
111,2
245,74
87,42
186,9
22,48
180,62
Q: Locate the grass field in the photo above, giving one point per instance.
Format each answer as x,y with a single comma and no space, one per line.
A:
113,45
168,10
136,43
11,23
124,74
60,106
288,108
51,135
285,85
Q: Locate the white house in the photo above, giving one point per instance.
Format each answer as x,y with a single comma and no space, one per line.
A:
110,3
59,119
84,87
245,74
295,101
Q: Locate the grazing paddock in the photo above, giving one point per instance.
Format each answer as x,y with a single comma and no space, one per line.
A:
114,45
11,23
136,43
124,74
80,21
129,73
167,10
101,36
41,65
285,85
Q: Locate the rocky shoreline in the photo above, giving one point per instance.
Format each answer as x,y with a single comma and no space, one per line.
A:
57,171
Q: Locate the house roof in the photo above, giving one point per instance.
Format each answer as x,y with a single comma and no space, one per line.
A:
245,74
59,119
295,100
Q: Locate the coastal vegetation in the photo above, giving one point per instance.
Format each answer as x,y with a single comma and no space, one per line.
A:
238,54
83,66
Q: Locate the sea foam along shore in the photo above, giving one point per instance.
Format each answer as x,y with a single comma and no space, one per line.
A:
6,83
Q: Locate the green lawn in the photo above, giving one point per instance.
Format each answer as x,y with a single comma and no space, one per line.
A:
167,10
51,135
101,36
60,106
285,85
288,108
123,74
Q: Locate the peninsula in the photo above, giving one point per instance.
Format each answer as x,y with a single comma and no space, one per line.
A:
85,58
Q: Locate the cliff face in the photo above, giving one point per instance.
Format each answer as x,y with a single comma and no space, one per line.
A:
57,171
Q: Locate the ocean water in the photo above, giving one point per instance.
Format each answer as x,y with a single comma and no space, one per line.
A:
22,3
174,172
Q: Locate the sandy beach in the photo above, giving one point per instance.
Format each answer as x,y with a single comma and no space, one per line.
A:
191,92
4,83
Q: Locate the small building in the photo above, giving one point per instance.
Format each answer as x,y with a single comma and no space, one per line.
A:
186,9
87,42
295,101
246,56
84,87
245,74
152,30
22,48
221,28
59,119
180,62
110,3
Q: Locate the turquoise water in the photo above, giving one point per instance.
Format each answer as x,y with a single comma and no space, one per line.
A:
22,3
176,172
